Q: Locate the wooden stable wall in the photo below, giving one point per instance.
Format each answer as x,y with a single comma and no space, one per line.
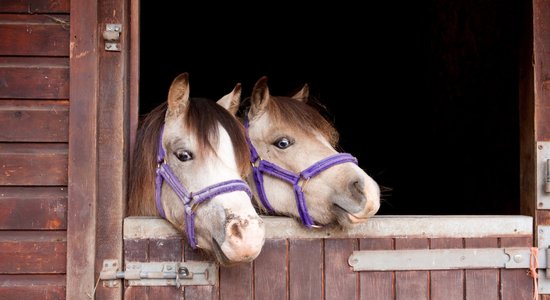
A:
297,263
34,122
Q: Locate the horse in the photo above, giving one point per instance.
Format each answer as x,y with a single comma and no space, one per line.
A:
297,170
188,166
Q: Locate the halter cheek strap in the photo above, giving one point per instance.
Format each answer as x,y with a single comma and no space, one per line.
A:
260,166
190,200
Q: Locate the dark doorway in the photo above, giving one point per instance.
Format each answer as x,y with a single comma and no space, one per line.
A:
425,94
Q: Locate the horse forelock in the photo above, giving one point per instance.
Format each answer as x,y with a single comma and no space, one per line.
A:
301,116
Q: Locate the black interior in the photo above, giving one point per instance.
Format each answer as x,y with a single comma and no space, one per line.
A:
423,93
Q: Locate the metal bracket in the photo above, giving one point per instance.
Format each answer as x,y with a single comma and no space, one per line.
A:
111,35
160,273
543,175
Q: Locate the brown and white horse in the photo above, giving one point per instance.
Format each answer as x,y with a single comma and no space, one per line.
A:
297,169
189,161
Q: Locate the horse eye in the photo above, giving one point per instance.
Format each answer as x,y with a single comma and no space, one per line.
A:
283,143
184,155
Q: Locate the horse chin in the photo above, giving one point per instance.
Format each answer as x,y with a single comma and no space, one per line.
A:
345,218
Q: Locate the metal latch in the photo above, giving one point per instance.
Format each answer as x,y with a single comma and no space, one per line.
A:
159,273
111,35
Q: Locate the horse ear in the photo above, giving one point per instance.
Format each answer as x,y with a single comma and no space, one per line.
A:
232,100
178,95
303,94
260,97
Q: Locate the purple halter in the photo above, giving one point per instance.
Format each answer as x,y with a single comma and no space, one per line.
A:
190,200
260,166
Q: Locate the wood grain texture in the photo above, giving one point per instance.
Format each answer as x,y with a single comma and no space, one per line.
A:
33,208
32,252
199,292
411,284
482,284
510,280
34,35
48,77
26,164
43,287
136,250
35,6
447,284
236,282
34,121
541,63
305,268
271,271
341,282
165,250
376,285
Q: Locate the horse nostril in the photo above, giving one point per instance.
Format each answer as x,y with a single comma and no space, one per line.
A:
357,189
235,231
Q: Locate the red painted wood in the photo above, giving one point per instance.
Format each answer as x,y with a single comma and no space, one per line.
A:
411,284
48,77
33,208
33,164
271,271
39,287
165,250
32,252
35,35
447,284
516,284
305,268
198,292
35,6
341,282
376,285
236,282
136,250
482,284
34,121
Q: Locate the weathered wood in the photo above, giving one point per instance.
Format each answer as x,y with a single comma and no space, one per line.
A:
165,250
340,280
83,171
447,284
236,281
34,121
33,164
510,280
271,271
541,64
203,291
43,287
376,285
32,252
34,35
35,6
134,71
48,77
136,250
411,284
33,208
482,284
305,268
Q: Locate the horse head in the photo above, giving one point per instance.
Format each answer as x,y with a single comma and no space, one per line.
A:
297,170
194,174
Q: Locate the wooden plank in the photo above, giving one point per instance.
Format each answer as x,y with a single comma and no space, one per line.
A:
83,171
33,164
341,282
516,284
165,250
18,287
271,271
305,269
411,284
48,77
134,68
236,281
136,250
376,285
447,284
34,35
35,6
33,208
34,121
481,284
32,252
541,63
203,291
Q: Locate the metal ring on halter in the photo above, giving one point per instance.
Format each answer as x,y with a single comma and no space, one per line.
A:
302,182
256,163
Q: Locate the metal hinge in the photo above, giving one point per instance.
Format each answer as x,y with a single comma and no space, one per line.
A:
111,35
470,258
159,273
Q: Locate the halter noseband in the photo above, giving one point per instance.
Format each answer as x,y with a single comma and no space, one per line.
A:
190,200
260,166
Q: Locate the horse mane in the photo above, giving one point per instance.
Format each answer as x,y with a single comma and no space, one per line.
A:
203,116
301,115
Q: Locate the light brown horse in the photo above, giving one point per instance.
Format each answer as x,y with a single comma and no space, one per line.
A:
188,164
297,169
